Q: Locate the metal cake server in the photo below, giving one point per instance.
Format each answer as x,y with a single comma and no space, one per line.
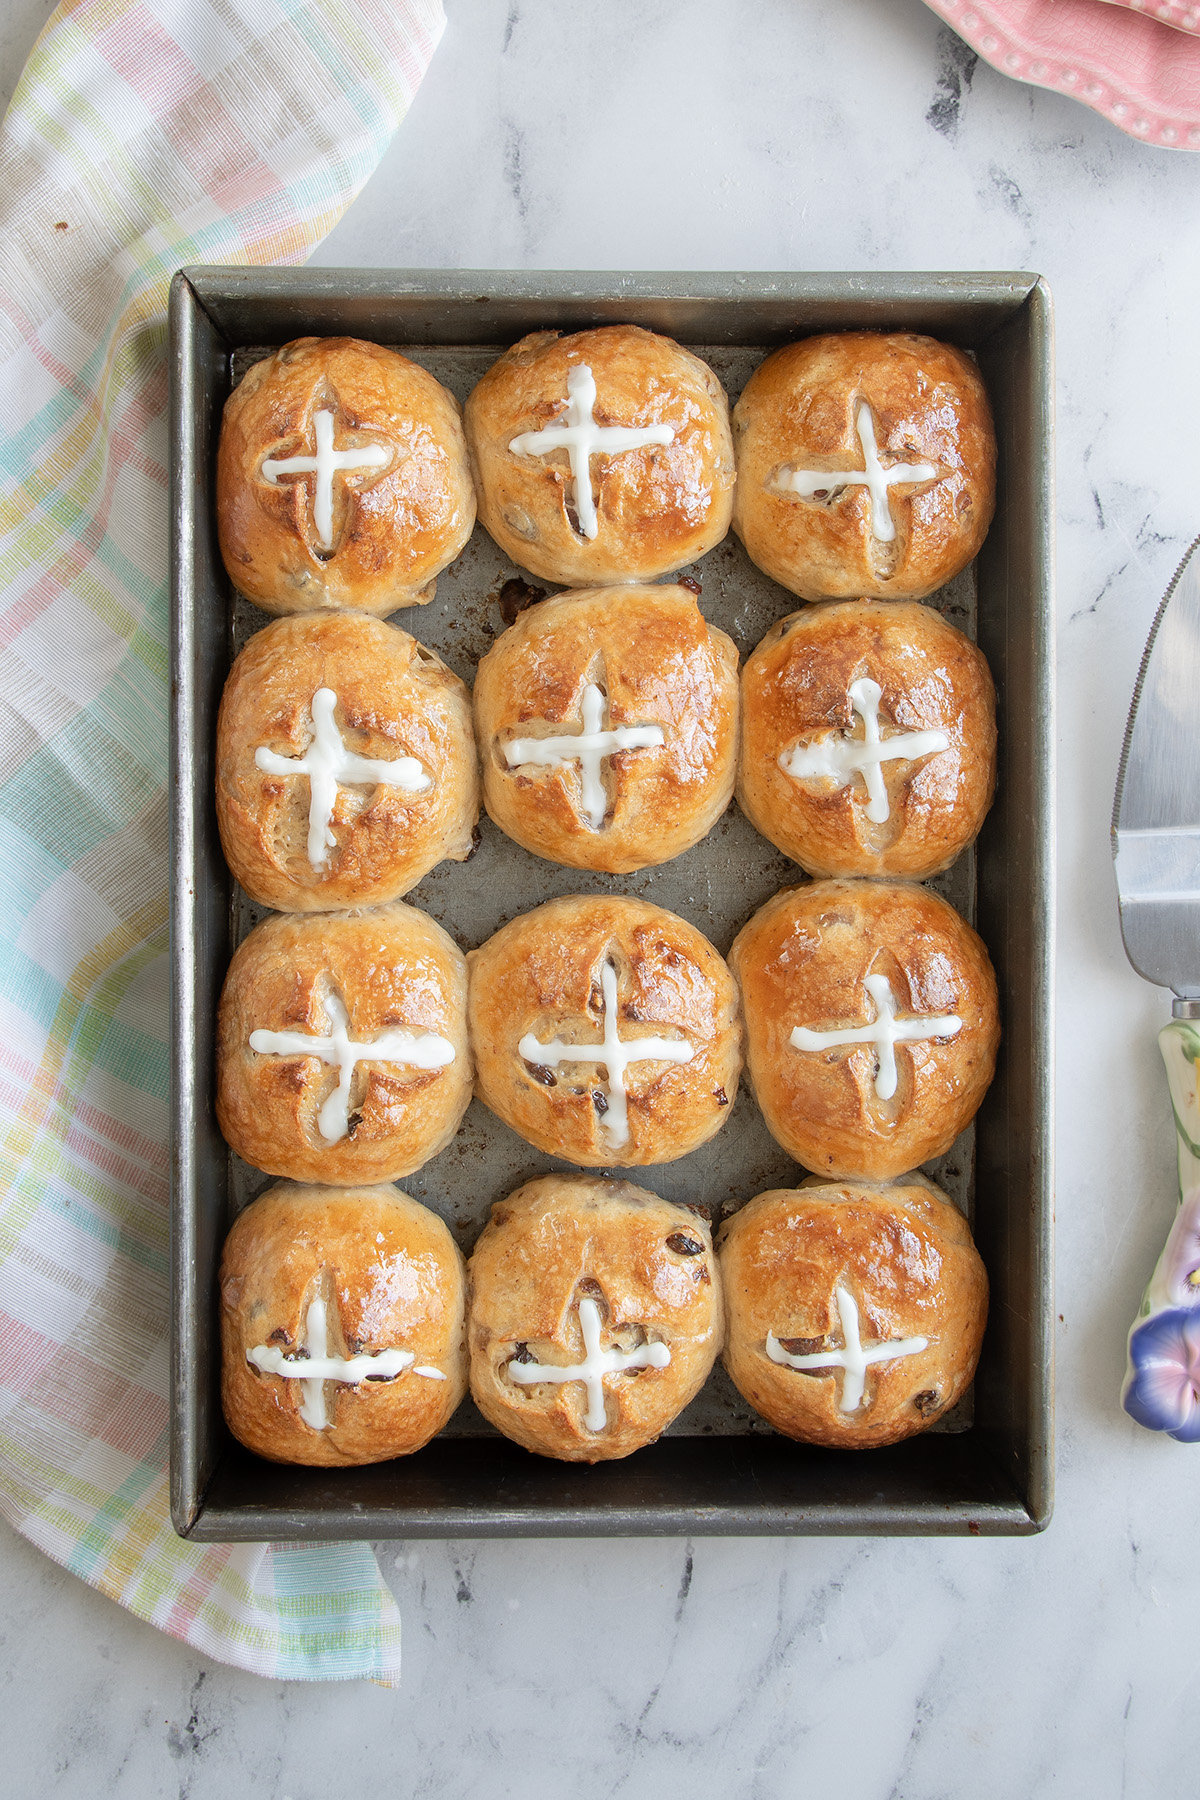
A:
1156,851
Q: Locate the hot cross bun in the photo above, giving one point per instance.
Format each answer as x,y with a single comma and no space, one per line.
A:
868,739
342,479
871,1023
342,1325
855,1311
866,465
602,457
346,764
608,725
342,1051
606,1031
595,1316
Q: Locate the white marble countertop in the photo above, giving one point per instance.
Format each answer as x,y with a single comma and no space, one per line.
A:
782,134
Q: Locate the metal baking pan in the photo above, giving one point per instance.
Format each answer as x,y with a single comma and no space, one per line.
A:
719,1470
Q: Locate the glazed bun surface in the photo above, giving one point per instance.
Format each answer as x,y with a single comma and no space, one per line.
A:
566,1257
650,507
381,995
817,1271
820,682
638,671
832,960
926,414
362,704
548,987
371,535
383,1275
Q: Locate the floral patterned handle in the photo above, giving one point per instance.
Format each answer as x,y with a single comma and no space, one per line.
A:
1162,1382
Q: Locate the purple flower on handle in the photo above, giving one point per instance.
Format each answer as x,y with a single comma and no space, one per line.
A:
1181,1254
1162,1391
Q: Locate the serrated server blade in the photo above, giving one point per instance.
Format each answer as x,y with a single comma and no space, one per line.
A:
1156,814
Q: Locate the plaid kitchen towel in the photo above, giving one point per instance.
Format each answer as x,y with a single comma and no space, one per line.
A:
144,134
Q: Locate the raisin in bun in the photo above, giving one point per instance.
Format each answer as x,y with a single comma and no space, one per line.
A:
871,1023
649,692
362,1283
883,1281
868,740
913,411
346,764
371,533
599,1277
342,1052
649,500
605,974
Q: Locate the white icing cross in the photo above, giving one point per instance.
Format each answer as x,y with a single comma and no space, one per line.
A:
854,1359
842,758
316,1366
884,1031
416,1051
325,465
596,1365
582,439
588,748
327,762
873,476
614,1053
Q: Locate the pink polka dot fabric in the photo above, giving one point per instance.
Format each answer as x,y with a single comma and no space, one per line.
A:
1123,58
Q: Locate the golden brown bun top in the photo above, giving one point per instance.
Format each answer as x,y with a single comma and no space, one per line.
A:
392,1265
394,527
905,1255
802,961
804,1239
391,1278
657,662
658,507
674,972
395,700
543,975
796,691
560,1235
649,1268
798,411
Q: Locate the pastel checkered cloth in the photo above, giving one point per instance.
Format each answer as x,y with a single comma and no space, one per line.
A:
144,134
